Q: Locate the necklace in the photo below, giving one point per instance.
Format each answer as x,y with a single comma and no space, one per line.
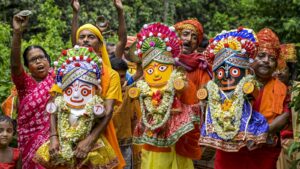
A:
226,116
70,135
154,117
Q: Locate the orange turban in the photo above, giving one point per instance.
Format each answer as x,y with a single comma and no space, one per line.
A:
192,24
130,41
268,42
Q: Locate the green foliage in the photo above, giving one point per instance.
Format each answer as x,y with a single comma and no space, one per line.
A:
50,24
5,82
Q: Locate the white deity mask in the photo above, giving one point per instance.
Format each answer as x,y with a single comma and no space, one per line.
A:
78,94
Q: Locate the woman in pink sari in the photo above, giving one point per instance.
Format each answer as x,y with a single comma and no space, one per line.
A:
33,121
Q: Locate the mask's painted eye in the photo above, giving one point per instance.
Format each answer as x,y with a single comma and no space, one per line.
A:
220,73
162,68
69,91
150,71
235,72
85,92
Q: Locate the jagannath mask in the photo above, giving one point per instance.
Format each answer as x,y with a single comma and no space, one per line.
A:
157,46
232,52
78,75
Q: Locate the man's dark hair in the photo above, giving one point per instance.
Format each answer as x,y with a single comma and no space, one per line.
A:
118,63
26,51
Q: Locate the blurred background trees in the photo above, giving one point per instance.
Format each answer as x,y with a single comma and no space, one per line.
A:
50,24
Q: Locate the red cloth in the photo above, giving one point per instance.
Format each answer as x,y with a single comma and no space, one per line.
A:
13,164
268,42
261,158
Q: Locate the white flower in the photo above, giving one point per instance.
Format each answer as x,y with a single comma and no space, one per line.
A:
55,63
76,47
169,48
172,28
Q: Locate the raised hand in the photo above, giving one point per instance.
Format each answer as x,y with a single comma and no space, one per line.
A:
20,22
118,4
75,5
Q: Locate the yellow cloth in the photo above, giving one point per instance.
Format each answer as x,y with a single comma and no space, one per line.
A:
111,89
110,83
165,160
102,155
126,116
97,32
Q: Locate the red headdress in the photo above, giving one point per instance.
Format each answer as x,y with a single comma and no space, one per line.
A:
192,24
157,42
268,42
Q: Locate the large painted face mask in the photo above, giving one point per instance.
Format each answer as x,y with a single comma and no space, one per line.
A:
78,74
228,76
229,68
78,94
231,52
157,74
157,47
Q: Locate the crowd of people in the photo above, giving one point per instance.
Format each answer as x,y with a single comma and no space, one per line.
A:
160,99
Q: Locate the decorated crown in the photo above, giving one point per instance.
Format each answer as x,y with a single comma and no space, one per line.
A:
242,41
78,63
159,42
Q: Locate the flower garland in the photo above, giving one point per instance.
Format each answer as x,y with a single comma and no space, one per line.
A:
223,115
154,117
68,135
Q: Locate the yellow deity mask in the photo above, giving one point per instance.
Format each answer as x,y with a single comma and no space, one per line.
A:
157,74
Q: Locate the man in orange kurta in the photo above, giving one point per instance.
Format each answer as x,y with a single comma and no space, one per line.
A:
270,102
198,72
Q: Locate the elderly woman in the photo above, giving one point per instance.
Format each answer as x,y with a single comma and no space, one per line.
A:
33,121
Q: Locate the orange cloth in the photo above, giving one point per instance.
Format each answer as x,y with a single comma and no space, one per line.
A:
9,105
193,24
273,97
130,41
199,77
268,42
110,132
187,145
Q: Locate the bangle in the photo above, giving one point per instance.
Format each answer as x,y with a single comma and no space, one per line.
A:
53,135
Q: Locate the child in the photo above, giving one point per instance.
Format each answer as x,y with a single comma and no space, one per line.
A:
9,157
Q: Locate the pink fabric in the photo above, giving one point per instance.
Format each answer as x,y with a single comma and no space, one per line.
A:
33,121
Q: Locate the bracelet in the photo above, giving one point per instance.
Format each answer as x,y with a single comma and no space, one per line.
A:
53,135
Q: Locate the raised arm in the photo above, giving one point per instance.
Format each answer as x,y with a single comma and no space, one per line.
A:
122,33
76,8
19,23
